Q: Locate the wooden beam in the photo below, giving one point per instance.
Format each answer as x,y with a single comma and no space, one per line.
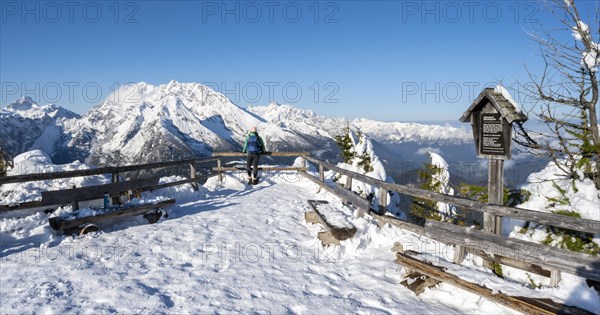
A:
193,176
338,232
38,204
321,173
383,200
57,197
61,224
585,266
532,268
319,183
525,305
554,278
459,254
240,154
342,193
21,206
551,219
262,168
99,171
220,169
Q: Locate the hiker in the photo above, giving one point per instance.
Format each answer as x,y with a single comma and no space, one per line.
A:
254,146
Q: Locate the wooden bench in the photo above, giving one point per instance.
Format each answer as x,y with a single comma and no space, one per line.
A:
337,227
74,223
74,195
421,275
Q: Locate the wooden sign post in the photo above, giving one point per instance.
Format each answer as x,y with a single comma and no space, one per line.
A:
491,116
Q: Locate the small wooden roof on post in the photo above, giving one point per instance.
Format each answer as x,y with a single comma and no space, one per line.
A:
491,116
507,109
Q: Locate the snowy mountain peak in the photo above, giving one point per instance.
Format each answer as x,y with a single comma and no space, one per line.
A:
188,119
28,108
25,103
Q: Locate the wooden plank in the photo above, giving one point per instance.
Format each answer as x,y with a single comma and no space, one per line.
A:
59,223
176,183
261,168
239,154
220,169
56,197
551,219
193,176
554,278
319,183
99,171
342,193
520,304
338,232
383,200
585,266
532,268
38,204
353,198
21,206
459,254
321,173
491,223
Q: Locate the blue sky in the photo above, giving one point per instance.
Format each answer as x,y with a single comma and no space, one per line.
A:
385,60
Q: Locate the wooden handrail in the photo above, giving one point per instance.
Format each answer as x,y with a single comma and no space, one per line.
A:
551,219
238,154
560,259
100,170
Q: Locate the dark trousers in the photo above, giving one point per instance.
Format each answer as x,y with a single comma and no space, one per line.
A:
252,162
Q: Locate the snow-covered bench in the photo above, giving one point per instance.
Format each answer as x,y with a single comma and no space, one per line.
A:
337,226
83,221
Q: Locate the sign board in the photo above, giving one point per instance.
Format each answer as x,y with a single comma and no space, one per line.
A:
492,138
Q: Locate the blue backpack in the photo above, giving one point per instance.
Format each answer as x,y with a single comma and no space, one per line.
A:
253,146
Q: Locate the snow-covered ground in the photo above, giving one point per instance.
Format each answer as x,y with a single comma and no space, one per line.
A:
235,248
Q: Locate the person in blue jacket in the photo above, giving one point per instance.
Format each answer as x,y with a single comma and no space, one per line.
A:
254,146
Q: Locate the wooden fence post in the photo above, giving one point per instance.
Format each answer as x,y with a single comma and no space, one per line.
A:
492,223
220,170
383,200
193,176
321,173
554,278
114,179
459,254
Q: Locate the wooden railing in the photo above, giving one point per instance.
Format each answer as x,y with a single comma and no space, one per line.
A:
114,171
220,169
533,257
117,171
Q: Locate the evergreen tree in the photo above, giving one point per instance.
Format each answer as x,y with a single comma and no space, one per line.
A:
363,158
345,143
422,209
4,165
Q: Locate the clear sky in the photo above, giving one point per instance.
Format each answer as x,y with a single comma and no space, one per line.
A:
385,60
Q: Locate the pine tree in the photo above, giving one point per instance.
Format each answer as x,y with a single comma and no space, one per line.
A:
365,162
422,209
345,143
363,158
3,163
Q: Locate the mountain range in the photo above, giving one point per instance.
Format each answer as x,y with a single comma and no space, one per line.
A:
141,123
